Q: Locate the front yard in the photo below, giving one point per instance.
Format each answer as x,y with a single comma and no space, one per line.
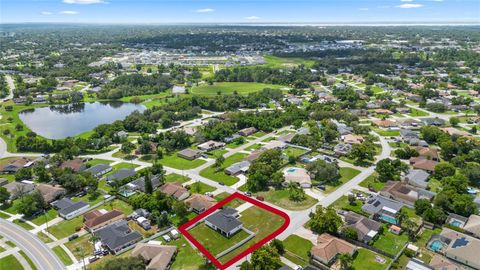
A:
297,249
280,197
175,162
218,174
214,241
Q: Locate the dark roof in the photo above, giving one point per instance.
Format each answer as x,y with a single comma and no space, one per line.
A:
63,203
140,182
98,168
121,174
117,235
72,208
224,219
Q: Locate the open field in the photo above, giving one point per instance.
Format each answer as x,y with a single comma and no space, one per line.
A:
218,174
281,198
180,163
226,88
284,62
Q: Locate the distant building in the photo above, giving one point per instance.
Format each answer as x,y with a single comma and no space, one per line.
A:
299,176
189,154
198,203
50,193
176,190
177,89
75,165
382,208
247,131
120,175
367,229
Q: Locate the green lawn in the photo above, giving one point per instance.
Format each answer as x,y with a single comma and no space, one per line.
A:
97,161
42,236
10,243
292,151
119,205
389,242
173,161
253,147
23,224
217,152
219,175
416,112
285,62
29,261
234,145
387,133
346,174
62,255
226,88
10,262
202,188
373,182
259,221
299,247
281,198
213,241
173,177
49,215
82,244
187,258
123,165
343,204
365,260
66,228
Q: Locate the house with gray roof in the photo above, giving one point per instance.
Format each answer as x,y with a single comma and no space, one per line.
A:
417,178
366,228
69,209
120,175
237,168
225,221
382,208
117,236
99,170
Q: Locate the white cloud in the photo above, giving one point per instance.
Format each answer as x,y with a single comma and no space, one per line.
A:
84,2
410,6
252,18
364,9
69,12
435,0
406,0
46,13
205,10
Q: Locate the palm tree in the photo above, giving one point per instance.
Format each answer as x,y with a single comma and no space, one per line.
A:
346,261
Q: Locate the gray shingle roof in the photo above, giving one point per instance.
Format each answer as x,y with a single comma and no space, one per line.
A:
376,203
117,235
121,174
224,219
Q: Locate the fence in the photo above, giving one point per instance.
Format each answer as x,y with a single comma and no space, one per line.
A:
228,250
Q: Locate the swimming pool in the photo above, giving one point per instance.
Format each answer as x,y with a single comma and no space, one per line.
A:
292,170
436,245
456,223
389,219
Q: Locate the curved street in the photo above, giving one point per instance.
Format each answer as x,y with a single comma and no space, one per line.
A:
41,255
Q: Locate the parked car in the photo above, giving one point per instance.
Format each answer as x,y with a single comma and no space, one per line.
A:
260,198
322,187
248,193
72,237
93,258
221,183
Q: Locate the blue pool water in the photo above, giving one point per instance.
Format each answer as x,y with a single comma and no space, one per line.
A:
389,219
456,223
436,245
291,170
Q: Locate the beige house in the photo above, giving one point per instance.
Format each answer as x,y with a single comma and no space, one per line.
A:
328,247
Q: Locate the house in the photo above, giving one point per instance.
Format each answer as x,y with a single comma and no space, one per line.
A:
254,155
395,229
144,223
75,165
366,228
428,153
176,190
433,122
224,221
352,139
405,193
297,175
231,138
328,247
50,193
473,225
117,236
416,264
382,208
199,203
157,257
423,164
177,89
139,183
97,219
417,178
456,246
303,131
454,132
383,111
455,220
99,170
439,262
274,144
18,189
343,129
342,149
210,145
69,209
238,168
385,123
247,131
120,175
16,164
286,138
189,154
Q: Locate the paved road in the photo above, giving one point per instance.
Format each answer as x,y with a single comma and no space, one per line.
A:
42,256
11,87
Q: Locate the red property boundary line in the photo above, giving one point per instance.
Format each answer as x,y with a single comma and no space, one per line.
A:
236,195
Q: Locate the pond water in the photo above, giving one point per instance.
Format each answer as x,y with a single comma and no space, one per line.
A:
61,121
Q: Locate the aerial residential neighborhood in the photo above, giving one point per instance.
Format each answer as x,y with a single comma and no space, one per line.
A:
209,136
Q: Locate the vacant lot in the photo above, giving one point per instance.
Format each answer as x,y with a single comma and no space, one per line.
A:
180,163
226,88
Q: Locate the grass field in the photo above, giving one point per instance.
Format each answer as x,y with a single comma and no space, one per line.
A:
62,255
298,247
49,215
281,198
346,174
97,161
415,112
187,258
180,163
365,260
227,88
42,236
202,188
80,245
295,152
66,228
173,177
391,243
343,204
219,175
373,182
10,262
23,224
213,241
286,62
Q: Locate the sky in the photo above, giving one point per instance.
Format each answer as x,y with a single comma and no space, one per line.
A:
240,11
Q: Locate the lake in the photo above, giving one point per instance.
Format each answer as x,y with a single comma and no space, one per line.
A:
61,121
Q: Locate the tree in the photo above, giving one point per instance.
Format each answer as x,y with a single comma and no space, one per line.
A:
30,204
4,195
434,215
148,184
421,205
127,263
219,162
388,169
278,245
325,221
266,258
363,151
444,169
454,121
350,233
351,199
23,174
346,261
323,171
296,193
472,172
